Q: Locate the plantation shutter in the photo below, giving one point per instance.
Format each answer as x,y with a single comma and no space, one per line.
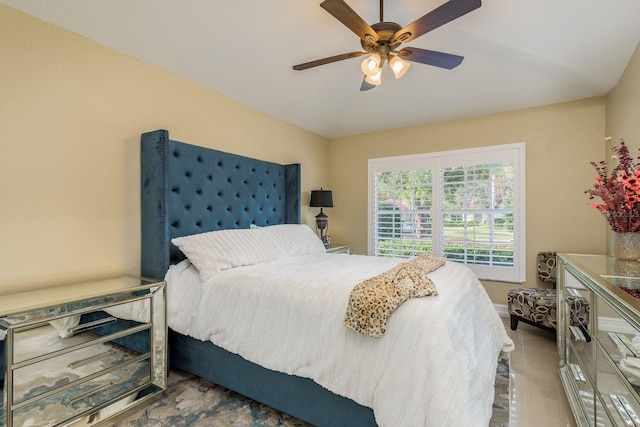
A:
477,214
465,205
403,202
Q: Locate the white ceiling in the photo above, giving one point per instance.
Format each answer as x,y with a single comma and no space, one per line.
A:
518,54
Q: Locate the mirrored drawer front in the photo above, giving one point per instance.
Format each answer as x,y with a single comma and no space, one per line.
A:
45,338
86,396
583,351
618,383
581,381
44,376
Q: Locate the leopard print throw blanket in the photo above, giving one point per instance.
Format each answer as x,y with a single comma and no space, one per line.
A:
372,301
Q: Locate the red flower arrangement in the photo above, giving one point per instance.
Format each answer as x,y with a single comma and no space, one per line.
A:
620,192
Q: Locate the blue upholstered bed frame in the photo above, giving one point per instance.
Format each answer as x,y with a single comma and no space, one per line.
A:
188,189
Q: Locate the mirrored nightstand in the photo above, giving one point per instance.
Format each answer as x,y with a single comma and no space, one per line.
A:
339,249
83,354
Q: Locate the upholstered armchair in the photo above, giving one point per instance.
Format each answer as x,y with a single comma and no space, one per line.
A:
537,306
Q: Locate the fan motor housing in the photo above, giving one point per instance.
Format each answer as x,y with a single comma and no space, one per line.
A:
386,31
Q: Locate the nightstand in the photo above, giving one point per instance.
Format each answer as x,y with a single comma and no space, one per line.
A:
340,249
84,354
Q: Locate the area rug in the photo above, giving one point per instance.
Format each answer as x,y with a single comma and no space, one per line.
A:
194,402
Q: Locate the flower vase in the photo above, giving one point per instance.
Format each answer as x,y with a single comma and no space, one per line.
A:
625,245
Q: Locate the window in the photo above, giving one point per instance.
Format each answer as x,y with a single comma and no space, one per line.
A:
466,205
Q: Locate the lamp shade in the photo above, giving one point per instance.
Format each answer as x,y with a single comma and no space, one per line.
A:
399,66
321,199
370,65
375,79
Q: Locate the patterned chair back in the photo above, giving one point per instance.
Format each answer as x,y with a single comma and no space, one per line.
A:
547,267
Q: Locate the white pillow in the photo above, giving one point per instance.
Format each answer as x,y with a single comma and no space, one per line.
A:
216,251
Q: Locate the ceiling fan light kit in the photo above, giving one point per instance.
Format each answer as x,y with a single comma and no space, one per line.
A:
371,64
399,66
381,40
374,79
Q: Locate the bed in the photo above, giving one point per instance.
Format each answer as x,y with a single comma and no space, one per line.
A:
188,190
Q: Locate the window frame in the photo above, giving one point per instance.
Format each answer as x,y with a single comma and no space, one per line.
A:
436,161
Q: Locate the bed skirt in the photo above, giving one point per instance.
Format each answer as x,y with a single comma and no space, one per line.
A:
300,397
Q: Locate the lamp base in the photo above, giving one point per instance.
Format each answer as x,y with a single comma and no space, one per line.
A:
322,226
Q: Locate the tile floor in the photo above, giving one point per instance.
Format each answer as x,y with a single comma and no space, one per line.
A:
537,397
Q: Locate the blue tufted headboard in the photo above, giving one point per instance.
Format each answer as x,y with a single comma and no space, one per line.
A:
186,189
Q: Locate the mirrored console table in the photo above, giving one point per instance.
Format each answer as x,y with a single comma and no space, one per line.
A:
84,354
600,364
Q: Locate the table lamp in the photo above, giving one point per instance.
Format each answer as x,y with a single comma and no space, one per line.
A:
322,199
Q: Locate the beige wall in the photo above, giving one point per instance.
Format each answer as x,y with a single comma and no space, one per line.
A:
560,140
623,105
623,110
71,115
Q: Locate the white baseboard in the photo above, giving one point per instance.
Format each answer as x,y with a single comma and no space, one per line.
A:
502,310
610,324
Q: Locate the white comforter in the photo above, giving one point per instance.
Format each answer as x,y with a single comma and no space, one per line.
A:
435,365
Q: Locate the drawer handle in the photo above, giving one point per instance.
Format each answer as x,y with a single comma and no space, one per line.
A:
577,373
92,325
82,362
577,333
105,387
624,409
629,409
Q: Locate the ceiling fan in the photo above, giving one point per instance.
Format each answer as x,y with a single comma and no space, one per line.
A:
381,40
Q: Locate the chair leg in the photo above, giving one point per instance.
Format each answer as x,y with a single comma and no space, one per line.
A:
514,322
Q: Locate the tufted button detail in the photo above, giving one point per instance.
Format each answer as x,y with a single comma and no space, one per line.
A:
231,189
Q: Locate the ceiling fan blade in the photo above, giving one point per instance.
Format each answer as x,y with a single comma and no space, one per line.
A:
328,60
439,16
366,85
343,13
430,57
